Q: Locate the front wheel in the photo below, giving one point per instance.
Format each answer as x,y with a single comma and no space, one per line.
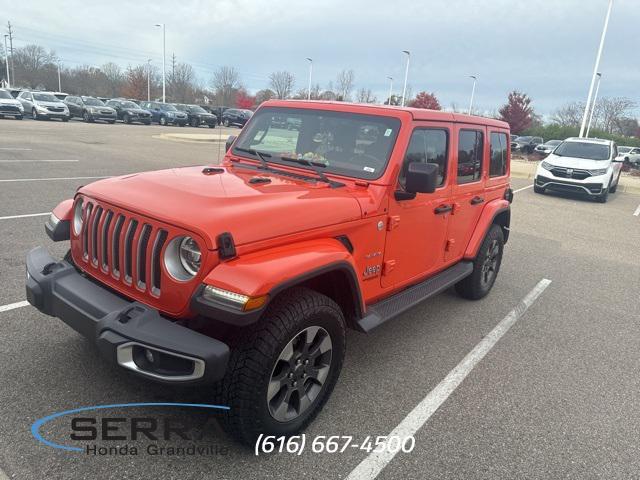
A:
485,266
163,121
226,122
34,114
283,369
86,117
19,117
613,188
126,118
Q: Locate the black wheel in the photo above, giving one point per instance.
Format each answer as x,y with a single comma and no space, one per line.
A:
283,369
86,117
148,122
65,119
18,117
181,124
226,122
212,125
34,114
111,122
126,118
486,266
163,121
537,189
613,188
195,123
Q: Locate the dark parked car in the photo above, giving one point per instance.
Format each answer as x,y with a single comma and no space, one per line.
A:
129,112
90,109
526,144
165,113
235,116
216,110
197,115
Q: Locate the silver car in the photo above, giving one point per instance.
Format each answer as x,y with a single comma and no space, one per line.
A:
42,105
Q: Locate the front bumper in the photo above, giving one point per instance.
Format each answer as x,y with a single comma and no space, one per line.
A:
127,333
590,187
103,116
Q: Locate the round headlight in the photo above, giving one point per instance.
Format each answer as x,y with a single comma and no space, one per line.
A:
190,255
77,217
182,258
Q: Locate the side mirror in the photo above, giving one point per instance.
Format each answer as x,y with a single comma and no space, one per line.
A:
230,140
421,177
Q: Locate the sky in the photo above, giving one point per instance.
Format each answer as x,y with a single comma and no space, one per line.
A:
544,48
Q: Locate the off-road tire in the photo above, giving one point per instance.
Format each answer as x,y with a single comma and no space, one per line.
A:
474,287
538,189
254,353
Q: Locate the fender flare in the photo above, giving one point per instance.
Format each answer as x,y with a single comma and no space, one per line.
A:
271,271
497,211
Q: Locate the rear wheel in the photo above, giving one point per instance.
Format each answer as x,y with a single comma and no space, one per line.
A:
486,266
283,369
226,122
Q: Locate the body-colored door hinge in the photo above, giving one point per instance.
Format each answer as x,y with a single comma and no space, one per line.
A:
393,222
388,266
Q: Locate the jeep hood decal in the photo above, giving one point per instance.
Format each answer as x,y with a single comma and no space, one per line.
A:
209,204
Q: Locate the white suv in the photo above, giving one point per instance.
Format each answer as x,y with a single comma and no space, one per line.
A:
585,165
629,155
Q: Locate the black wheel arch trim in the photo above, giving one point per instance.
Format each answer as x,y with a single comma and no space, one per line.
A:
230,316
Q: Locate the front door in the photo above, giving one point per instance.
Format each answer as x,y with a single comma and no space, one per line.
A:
468,187
417,227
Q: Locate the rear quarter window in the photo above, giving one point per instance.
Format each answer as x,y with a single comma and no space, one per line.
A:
498,154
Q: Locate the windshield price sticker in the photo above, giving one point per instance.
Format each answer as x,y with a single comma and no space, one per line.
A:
297,444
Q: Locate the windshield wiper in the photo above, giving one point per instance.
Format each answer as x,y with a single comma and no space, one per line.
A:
313,164
261,155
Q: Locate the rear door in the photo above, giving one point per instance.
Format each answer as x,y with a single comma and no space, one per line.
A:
417,227
469,154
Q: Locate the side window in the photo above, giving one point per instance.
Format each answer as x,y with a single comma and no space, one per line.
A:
427,146
498,166
470,153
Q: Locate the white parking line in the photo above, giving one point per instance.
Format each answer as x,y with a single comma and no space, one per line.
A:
637,212
16,149
44,161
5,180
373,464
523,188
26,215
13,306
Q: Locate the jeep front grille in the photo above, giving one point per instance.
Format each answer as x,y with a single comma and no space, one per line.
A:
127,249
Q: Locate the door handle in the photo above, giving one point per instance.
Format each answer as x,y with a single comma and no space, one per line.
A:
476,200
443,209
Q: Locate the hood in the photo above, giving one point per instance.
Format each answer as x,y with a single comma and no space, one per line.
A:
49,104
580,163
10,101
226,202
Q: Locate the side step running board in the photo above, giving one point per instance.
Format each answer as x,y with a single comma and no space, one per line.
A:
393,306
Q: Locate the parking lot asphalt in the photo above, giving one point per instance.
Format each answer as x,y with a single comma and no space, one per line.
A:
555,397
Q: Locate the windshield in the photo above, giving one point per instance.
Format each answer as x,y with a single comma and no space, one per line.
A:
92,102
196,109
44,97
129,105
168,108
591,151
624,149
347,144
524,139
553,143
5,94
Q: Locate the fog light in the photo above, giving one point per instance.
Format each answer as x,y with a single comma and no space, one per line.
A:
148,354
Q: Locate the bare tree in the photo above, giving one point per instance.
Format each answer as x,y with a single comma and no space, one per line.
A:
113,78
264,95
225,83
344,83
282,83
613,111
366,96
182,83
569,115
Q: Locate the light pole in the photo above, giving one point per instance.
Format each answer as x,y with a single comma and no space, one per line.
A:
164,49
406,75
6,58
390,88
593,105
149,80
59,82
473,92
595,69
310,73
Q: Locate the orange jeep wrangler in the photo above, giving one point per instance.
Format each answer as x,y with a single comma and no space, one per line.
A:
245,275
